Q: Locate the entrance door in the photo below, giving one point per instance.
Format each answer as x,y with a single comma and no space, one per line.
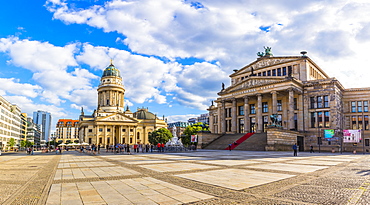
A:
241,125
300,143
253,125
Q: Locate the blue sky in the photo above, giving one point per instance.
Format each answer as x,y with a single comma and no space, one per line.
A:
173,55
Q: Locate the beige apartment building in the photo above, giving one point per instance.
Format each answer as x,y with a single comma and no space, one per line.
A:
111,123
67,131
10,123
304,98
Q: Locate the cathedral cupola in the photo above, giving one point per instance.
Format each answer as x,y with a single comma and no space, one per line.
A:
111,91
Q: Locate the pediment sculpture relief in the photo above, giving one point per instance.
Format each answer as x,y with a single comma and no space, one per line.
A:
253,82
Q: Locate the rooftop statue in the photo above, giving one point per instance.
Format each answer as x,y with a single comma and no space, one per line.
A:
266,53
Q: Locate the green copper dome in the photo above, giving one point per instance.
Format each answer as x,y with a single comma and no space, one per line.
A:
111,71
144,114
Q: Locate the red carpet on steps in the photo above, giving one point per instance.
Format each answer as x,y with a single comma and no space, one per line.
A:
240,140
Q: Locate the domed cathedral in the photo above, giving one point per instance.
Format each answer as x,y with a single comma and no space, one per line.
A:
111,123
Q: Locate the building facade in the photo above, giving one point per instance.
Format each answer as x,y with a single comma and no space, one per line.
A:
43,119
10,123
304,99
33,132
67,131
111,123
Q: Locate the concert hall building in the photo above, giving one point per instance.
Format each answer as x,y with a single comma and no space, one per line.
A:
306,100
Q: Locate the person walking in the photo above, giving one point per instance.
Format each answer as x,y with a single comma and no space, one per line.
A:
311,149
295,149
229,147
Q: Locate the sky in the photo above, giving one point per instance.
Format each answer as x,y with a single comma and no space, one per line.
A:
173,54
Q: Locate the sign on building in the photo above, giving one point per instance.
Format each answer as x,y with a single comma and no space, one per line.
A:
351,135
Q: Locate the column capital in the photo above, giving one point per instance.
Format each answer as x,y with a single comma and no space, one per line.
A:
259,94
274,92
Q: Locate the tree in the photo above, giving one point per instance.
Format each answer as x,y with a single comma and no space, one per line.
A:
162,135
26,143
193,130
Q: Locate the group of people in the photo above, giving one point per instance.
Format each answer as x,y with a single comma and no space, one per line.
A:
136,148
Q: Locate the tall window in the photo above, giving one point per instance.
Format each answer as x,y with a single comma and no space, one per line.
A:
353,106
326,119
295,103
284,71
264,73
274,72
279,72
253,108
326,101
354,124
313,119
269,73
366,106
279,105
319,119
265,107
241,110
312,102
359,122
319,101
366,121
359,106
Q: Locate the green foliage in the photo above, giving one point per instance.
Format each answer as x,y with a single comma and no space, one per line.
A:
12,142
26,143
162,135
193,130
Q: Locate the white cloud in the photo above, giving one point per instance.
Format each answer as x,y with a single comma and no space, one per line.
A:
181,118
12,86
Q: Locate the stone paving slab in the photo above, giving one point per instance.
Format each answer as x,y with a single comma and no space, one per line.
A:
237,179
299,168
144,190
174,167
228,162
316,162
93,172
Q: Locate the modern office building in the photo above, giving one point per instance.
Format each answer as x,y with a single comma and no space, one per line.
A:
299,96
204,118
33,132
111,123
43,119
10,123
67,131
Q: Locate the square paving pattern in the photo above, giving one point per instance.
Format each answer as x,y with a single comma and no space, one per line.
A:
174,167
300,168
235,178
79,173
145,190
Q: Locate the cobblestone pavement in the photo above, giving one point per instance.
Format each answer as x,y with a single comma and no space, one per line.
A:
201,177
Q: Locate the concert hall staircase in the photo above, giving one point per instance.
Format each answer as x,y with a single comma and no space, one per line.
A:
246,142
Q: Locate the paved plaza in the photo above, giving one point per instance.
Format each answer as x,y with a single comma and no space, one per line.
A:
198,177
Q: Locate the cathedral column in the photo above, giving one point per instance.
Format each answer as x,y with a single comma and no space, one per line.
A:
105,135
233,117
223,118
246,115
274,102
291,109
259,113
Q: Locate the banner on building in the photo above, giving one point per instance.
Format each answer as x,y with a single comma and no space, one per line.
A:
351,135
193,138
328,134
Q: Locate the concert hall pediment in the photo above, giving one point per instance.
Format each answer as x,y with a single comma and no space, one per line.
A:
117,118
264,62
253,83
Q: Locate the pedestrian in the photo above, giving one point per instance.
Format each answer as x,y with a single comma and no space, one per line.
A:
311,150
159,147
163,147
98,148
295,149
106,148
151,147
128,149
229,147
